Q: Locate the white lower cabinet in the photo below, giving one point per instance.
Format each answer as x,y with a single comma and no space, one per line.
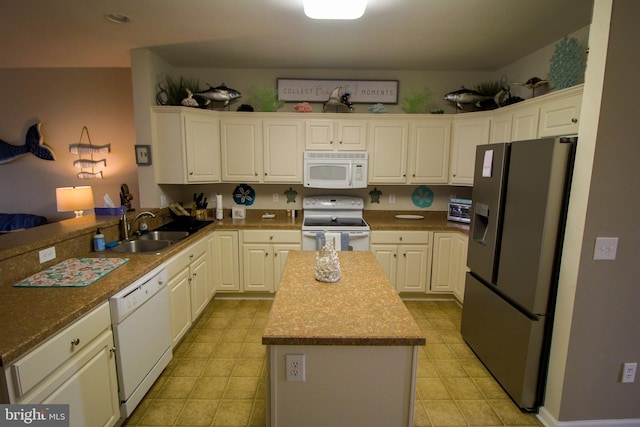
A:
82,375
449,263
264,253
405,257
189,287
223,248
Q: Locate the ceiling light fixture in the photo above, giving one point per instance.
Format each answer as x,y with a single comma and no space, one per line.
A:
334,9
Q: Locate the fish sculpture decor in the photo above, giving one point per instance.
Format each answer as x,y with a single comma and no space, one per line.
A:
219,94
465,96
34,144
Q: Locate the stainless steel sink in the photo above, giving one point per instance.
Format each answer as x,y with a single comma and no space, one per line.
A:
164,235
142,246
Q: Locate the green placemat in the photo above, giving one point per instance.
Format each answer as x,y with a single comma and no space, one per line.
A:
74,272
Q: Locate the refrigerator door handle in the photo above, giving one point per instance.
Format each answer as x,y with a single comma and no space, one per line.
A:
481,223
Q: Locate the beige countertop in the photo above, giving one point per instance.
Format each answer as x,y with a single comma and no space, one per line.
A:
362,308
29,316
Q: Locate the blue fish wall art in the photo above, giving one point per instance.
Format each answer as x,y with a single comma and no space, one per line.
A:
34,144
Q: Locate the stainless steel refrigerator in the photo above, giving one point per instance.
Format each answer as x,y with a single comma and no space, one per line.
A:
520,195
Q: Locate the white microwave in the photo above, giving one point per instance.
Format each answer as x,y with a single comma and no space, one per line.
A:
335,169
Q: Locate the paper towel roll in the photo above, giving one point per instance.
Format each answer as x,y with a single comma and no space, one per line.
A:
219,214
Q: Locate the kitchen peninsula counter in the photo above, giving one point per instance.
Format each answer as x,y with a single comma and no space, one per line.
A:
358,341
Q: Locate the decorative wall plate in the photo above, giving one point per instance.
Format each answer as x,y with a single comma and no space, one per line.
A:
244,195
422,196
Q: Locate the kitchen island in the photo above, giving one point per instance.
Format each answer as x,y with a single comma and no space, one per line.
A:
355,342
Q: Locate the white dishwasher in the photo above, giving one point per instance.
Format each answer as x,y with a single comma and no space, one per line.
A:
142,335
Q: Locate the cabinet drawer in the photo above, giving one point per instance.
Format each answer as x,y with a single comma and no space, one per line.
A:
267,236
404,237
179,262
29,370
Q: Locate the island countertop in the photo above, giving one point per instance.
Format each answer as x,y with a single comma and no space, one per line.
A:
362,308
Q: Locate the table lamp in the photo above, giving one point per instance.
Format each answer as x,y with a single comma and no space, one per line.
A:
76,199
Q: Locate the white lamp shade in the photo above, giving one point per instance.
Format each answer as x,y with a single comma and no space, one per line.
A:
74,198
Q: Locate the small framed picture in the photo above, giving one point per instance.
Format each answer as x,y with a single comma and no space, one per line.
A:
143,154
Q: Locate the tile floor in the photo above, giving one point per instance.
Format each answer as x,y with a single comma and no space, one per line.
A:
217,375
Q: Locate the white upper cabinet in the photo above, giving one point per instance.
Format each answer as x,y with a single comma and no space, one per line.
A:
525,123
560,116
387,148
283,150
429,147
469,131
335,135
241,145
500,128
186,145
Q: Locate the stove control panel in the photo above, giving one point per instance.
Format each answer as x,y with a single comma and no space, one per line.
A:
333,202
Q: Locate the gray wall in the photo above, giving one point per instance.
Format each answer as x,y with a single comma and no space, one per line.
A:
606,315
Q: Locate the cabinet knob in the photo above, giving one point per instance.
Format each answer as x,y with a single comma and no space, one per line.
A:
330,142
256,173
574,120
265,174
276,254
75,341
404,255
266,254
414,175
190,173
401,238
340,142
270,237
395,255
191,256
112,350
194,274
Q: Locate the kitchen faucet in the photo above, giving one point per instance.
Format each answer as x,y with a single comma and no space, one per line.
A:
126,227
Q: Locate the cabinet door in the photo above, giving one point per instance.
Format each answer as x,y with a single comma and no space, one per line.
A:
500,128
443,274
225,262
387,257
352,135
179,305
387,148
468,133
429,144
560,117
460,252
202,139
241,147
199,277
169,157
257,261
413,268
92,391
280,253
283,148
319,135
525,124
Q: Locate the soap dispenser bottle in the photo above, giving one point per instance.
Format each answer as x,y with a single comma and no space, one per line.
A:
98,241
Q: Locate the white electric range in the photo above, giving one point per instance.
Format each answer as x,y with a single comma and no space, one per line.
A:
336,215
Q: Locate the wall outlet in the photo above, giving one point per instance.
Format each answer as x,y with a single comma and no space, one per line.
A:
392,198
628,372
276,197
163,201
47,254
295,367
